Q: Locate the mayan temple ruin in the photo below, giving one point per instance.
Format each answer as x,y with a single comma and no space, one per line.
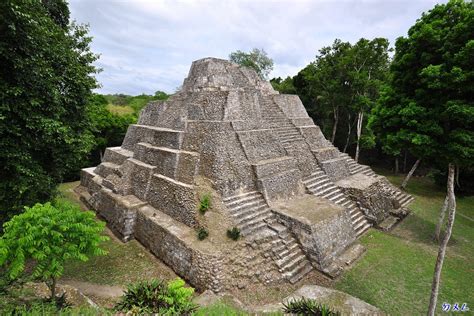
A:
299,203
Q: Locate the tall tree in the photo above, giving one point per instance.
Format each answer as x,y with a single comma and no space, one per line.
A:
433,85
344,82
46,77
368,69
324,85
256,59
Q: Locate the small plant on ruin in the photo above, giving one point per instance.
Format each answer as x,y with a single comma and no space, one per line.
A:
304,306
204,203
202,233
233,233
154,296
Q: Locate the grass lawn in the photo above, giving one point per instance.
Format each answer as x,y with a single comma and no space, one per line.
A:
124,263
397,270
120,109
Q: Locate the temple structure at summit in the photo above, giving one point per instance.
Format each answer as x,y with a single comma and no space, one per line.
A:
298,202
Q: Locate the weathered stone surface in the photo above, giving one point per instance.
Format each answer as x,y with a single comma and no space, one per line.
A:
372,195
254,147
323,228
175,244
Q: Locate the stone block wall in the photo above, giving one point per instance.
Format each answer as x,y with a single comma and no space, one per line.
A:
172,243
323,240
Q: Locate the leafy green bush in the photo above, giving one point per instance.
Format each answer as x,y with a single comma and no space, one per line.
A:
233,233
202,233
153,296
305,306
204,203
49,235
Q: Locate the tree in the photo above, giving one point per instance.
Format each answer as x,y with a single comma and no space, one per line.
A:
108,129
343,83
432,87
368,69
283,86
49,235
46,77
256,59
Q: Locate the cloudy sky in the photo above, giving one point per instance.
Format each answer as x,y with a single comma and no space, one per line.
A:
148,45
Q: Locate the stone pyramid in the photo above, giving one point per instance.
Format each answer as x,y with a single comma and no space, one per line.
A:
298,202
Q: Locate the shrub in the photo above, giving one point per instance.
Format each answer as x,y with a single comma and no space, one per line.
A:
202,233
233,233
205,203
305,306
154,296
49,235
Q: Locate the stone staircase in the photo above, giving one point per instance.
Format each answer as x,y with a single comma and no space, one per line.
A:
259,224
249,211
354,167
403,198
275,119
319,184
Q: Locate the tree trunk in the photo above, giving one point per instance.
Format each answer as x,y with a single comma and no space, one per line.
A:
334,127
349,132
405,162
396,165
457,177
52,288
441,219
444,242
405,182
360,119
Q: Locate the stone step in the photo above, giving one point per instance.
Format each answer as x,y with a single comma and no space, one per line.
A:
290,265
247,198
332,193
327,189
247,211
310,180
340,200
301,271
251,204
318,182
288,132
288,250
360,226
318,186
239,196
347,203
253,218
107,168
337,197
362,230
253,229
278,228
357,220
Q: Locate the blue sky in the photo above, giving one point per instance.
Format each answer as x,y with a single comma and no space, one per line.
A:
147,45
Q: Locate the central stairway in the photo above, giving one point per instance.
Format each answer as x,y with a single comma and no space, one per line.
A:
257,222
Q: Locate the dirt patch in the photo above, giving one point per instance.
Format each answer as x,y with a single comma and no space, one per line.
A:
217,219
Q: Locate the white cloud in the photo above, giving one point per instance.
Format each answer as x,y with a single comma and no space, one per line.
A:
148,45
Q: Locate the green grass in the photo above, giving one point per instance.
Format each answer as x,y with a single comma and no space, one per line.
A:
397,270
124,263
120,109
219,309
